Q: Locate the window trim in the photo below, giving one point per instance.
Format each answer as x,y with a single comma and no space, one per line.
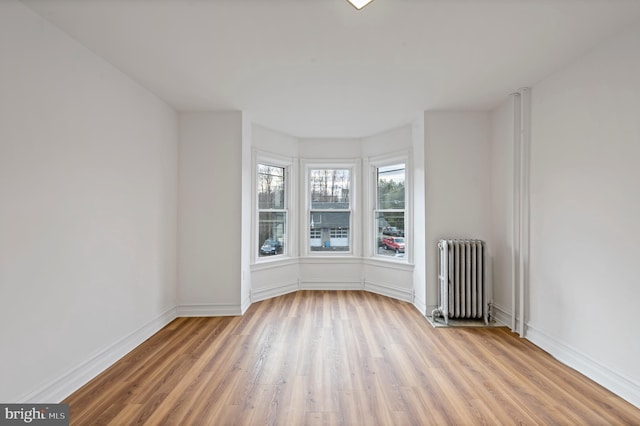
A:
288,164
354,166
373,164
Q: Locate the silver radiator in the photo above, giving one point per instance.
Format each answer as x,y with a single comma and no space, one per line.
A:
462,280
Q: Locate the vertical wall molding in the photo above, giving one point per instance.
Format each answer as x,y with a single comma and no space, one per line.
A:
520,244
515,243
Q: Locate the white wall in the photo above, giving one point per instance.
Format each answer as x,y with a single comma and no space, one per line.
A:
209,217
419,215
585,210
502,180
246,213
389,142
329,148
458,183
275,142
87,211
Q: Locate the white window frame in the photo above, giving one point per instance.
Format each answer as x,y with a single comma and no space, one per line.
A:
353,165
290,179
374,163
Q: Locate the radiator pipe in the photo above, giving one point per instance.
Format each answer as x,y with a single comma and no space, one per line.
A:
437,312
444,283
520,239
515,222
525,143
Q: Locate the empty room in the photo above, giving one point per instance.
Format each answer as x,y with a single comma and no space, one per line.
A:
318,212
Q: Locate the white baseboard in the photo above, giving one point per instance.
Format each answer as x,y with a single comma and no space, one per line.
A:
245,305
501,315
267,293
60,388
420,305
328,285
209,310
389,290
601,374
379,288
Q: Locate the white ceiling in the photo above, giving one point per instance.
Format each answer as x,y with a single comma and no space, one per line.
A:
320,68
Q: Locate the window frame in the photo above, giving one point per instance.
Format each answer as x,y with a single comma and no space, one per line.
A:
288,165
353,165
374,164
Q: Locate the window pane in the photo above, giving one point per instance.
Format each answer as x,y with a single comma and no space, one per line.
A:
271,233
270,187
329,231
329,188
391,187
390,237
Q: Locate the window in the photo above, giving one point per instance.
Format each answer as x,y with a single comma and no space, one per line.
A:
389,213
339,233
330,208
272,211
315,236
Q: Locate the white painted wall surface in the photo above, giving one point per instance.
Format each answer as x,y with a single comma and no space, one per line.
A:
327,274
391,141
418,161
246,213
209,224
274,279
458,183
502,181
329,148
585,210
272,141
393,279
87,210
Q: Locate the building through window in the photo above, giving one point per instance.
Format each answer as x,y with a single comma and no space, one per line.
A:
330,209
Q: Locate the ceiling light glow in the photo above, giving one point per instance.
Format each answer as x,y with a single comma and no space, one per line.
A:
359,4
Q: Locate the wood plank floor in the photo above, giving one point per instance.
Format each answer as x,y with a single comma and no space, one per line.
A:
348,357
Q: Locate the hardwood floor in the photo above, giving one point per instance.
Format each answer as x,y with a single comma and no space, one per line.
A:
349,357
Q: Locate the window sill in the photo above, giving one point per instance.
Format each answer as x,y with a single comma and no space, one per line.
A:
320,260
389,263
274,263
